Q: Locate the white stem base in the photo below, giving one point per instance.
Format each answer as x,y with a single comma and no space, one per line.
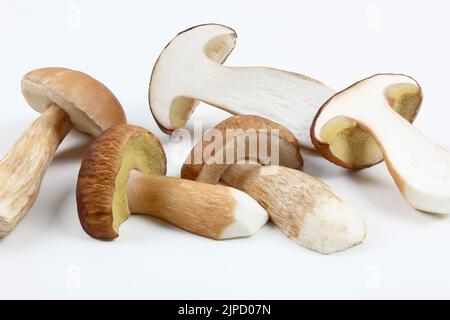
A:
420,168
302,207
216,212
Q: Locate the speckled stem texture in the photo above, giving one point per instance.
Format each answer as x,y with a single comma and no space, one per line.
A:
196,207
22,169
305,209
296,197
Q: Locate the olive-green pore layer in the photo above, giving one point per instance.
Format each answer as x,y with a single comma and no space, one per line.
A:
101,190
351,146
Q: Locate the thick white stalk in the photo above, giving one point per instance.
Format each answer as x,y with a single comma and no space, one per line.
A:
284,97
420,168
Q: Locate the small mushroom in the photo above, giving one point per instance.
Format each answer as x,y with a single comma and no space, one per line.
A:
66,98
123,171
381,108
190,69
305,209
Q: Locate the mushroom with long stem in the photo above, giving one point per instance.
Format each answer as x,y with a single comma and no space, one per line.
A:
381,107
190,69
305,209
66,99
123,172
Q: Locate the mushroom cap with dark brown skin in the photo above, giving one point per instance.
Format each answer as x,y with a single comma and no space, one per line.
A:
101,189
91,106
346,142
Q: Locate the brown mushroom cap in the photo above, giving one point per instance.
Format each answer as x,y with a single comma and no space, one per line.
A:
101,189
344,140
208,167
91,106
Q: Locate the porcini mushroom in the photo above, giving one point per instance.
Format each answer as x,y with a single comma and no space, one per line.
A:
123,171
66,99
305,209
190,69
383,106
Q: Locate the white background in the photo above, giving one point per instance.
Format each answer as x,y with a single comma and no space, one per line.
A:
407,253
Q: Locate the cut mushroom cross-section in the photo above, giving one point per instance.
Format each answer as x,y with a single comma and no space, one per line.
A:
123,172
65,98
305,209
190,70
380,105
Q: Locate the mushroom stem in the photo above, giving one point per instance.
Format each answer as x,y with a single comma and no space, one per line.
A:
216,212
420,168
283,97
22,169
305,209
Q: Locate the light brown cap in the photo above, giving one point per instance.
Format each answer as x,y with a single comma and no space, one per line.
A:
91,106
208,167
101,189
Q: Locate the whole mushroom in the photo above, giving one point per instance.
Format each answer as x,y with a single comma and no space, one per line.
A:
190,70
66,99
123,172
305,209
381,108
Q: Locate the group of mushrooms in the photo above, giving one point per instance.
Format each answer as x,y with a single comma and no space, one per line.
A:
123,170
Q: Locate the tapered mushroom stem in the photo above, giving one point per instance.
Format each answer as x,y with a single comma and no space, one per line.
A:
420,168
281,96
216,212
302,207
22,169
